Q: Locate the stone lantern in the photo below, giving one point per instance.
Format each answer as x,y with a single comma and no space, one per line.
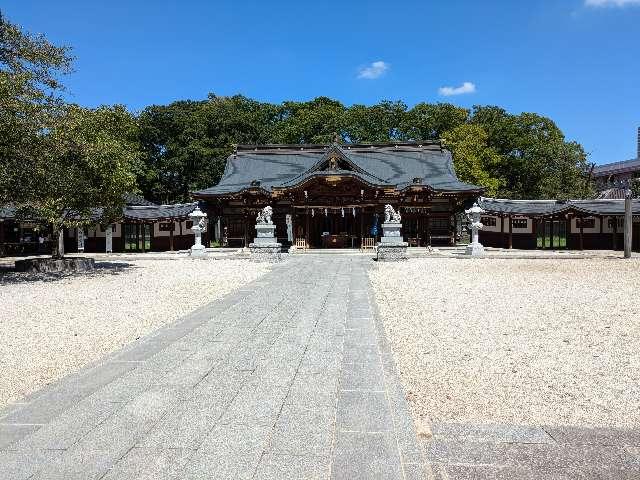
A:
475,248
199,225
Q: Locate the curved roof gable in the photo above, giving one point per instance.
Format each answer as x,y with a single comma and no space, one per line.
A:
390,165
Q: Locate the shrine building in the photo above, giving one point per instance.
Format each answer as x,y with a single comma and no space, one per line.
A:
333,196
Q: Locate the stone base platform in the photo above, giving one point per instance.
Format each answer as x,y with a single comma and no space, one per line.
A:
55,265
265,252
392,252
474,250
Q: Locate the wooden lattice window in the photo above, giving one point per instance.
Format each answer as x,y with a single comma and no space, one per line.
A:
586,222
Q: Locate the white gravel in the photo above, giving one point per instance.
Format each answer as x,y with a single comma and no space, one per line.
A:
49,328
516,341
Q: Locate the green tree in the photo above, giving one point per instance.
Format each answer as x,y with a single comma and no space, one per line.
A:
381,122
537,161
316,121
474,161
30,102
89,163
185,144
428,121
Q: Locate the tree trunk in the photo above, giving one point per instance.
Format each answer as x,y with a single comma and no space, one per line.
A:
57,250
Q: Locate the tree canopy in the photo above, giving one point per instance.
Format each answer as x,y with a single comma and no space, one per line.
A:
513,156
64,164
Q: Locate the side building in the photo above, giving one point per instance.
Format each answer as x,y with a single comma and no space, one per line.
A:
333,196
144,226
555,224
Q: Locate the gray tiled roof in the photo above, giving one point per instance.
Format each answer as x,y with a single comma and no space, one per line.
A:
613,192
136,209
616,167
382,164
150,213
7,211
133,199
548,207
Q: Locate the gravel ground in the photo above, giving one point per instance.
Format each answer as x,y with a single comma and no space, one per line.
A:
553,342
53,325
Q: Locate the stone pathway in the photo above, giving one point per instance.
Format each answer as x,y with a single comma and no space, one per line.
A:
290,377
474,451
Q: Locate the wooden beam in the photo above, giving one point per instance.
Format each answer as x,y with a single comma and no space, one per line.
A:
628,225
306,228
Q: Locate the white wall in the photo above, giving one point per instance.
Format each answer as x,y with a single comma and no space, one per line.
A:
595,229
176,230
527,229
98,232
494,228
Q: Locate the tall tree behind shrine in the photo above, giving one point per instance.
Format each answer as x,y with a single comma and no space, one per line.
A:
513,156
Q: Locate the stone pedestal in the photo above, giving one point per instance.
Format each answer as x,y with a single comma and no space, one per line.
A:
474,250
55,265
391,248
265,247
197,251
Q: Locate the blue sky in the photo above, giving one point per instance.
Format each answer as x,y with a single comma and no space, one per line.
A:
577,61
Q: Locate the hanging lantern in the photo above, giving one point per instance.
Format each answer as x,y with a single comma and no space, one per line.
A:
353,210
313,212
342,211
325,212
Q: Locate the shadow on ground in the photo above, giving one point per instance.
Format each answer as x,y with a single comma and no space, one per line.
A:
9,276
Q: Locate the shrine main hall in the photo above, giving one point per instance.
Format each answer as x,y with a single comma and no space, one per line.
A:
333,196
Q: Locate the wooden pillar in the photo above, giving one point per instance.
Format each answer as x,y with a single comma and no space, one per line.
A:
306,227
615,233
581,218
510,245
173,226
455,227
246,229
551,232
628,224
293,224
504,238
2,248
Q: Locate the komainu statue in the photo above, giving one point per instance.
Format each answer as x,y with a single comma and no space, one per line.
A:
390,215
264,216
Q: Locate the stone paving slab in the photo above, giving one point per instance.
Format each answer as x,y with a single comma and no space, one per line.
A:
285,378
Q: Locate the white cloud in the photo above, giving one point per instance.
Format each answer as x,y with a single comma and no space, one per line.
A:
375,70
466,87
610,3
